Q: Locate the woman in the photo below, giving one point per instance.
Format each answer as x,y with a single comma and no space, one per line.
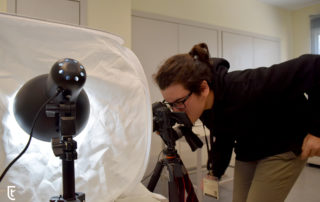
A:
270,116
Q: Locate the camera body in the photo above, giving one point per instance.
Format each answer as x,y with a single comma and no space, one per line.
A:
164,120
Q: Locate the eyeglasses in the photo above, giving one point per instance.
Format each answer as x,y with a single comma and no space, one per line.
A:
179,103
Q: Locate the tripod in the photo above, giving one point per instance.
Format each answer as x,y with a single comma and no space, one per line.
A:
179,181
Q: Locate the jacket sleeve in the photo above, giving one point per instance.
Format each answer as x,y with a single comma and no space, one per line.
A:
286,80
313,96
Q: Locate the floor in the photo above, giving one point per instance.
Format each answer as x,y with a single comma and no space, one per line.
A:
306,189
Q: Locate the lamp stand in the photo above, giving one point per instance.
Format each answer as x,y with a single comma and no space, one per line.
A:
65,148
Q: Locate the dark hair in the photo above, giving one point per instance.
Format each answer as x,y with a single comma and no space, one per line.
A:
187,69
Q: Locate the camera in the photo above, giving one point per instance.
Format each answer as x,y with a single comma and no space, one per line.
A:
164,120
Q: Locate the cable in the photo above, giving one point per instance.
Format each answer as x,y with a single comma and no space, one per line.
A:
31,131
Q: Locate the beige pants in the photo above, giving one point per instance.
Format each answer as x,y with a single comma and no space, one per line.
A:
266,180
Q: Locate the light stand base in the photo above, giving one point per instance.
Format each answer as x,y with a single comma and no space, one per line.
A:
80,197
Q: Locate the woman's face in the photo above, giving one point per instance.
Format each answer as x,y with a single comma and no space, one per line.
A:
182,100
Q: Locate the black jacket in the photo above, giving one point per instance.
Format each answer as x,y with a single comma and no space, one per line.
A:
263,111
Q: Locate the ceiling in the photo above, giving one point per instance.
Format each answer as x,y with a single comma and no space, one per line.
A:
291,4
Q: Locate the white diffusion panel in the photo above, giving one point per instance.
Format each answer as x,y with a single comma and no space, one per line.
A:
113,149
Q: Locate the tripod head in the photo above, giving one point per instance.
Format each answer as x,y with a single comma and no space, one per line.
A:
164,120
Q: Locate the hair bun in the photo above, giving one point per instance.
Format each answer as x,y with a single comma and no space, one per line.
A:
200,51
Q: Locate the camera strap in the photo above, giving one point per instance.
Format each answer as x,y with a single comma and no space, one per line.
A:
209,147
210,182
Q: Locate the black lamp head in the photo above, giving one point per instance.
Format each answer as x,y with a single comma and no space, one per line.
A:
66,75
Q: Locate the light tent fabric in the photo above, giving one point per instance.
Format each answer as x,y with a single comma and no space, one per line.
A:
113,149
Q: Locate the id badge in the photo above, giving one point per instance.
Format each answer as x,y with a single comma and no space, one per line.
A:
211,186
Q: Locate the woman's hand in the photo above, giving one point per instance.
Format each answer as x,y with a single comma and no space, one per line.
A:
310,147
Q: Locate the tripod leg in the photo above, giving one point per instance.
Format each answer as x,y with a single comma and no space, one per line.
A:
192,197
155,176
179,182
179,186
174,187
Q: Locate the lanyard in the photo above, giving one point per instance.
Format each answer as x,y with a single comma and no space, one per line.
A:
209,147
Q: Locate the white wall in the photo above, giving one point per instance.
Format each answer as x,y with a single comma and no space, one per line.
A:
245,15
113,16
301,29
291,27
3,5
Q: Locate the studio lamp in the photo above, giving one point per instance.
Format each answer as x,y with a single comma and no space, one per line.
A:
54,107
116,135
